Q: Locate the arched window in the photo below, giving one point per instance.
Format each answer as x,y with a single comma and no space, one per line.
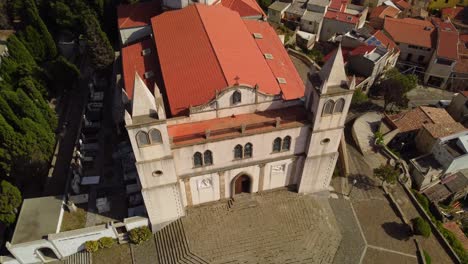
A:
277,145
197,159
236,97
339,106
248,149
155,136
238,152
142,139
208,158
286,143
328,108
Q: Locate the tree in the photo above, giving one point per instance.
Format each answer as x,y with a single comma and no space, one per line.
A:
4,18
18,52
32,14
63,73
395,86
98,45
32,40
10,200
421,227
386,173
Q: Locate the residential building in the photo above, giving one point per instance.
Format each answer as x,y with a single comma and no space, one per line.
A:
440,4
407,124
452,187
415,38
276,11
459,78
378,15
294,13
458,107
311,22
443,60
448,156
228,113
340,18
430,133
457,16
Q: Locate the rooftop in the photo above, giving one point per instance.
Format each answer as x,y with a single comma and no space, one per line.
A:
38,218
279,6
414,119
384,11
381,40
312,16
411,31
341,16
137,15
453,148
443,129
447,39
426,163
297,8
140,57
457,13
402,4
457,182
462,63
223,55
245,8
261,122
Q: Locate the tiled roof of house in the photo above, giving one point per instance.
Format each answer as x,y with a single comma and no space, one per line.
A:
384,11
137,15
414,119
457,12
341,16
217,51
385,41
402,4
447,39
443,129
245,8
338,5
411,31
133,61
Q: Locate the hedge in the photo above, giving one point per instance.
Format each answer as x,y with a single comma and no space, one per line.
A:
139,235
421,227
91,246
106,242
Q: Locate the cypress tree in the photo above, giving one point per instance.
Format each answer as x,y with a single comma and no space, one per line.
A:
33,42
32,14
99,47
18,52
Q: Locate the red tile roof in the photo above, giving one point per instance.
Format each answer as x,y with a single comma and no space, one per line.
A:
133,60
383,11
465,93
447,39
137,15
337,5
402,4
456,230
386,41
443,129
362,50
411,31
215,52
262,122
414,119
453,12
245,8
341,16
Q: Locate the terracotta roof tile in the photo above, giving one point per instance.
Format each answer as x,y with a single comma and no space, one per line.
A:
245,8
209,56
341,16
385,41
133,60
443,129
411,31
402,4
414,119
137,15
383,11
447,39
193,133
456,12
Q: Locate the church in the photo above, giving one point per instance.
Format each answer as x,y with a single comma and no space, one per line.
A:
214,108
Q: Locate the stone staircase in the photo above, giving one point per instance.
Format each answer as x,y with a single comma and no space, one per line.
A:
242,201
172,246
78,258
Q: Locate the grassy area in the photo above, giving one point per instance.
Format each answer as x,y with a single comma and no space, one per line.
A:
119,254
74,220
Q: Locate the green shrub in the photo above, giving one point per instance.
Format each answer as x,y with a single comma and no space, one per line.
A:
359,97
106,242
91,246
427,257
421,227
423,201
139,235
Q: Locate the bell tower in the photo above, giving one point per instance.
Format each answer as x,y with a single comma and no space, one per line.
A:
147,130
328,96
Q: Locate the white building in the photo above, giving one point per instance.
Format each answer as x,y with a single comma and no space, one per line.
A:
224,112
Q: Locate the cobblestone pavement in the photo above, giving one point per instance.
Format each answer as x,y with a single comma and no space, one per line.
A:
272,227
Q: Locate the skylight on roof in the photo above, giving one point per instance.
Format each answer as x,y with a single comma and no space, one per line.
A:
149,74
146,52
258,35
268,56
281,80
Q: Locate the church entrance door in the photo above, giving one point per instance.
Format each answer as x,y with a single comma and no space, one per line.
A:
242,184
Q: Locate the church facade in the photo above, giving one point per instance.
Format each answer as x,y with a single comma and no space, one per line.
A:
216,108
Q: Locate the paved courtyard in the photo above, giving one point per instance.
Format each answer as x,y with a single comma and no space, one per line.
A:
273,227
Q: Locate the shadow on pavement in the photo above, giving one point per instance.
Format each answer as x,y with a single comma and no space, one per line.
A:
363,182
396,230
